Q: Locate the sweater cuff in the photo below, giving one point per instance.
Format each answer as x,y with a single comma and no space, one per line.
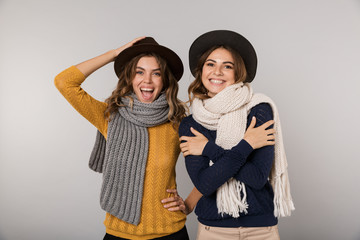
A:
211,149
243,147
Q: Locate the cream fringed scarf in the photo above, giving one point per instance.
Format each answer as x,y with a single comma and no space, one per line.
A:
227,113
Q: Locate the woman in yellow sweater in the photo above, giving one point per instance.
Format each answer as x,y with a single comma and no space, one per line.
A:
137,144
139,122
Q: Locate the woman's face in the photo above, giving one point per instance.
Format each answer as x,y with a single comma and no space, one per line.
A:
147,83
218,71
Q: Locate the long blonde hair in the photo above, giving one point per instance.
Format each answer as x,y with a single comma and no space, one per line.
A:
124,89
197,88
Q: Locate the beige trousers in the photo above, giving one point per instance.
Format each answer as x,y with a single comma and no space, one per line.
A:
240,233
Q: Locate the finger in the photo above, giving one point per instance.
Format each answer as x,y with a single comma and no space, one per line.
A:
267,124
170,199
184,149
173,191
172,204
184,138
136,40
196,133
270,131
185,153
174,209
183,145
271,137
253,122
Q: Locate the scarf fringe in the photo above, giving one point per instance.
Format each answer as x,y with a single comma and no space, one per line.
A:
230,193
226,113
283,205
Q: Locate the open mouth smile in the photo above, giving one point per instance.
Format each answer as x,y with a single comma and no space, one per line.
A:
147,93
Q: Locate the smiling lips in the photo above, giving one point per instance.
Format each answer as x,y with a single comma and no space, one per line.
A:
147,93
216,81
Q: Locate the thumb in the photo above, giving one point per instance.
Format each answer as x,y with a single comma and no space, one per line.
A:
253,122
196,133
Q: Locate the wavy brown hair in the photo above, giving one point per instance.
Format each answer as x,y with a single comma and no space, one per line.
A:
124,88
197,89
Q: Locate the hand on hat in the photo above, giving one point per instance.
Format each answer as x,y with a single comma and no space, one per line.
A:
129,44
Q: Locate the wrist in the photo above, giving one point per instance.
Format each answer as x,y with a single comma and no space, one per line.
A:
211,150
188,207
248,142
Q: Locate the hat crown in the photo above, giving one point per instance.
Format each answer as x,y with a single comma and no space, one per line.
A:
224,38
146,41
149,45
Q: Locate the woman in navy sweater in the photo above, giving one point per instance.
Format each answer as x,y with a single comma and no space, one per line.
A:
232,169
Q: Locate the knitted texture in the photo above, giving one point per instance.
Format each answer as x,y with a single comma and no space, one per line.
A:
227,113
125,156
97,156
155,221
241,162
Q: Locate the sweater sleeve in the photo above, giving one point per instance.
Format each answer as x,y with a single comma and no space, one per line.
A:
69,83
255,172
207,179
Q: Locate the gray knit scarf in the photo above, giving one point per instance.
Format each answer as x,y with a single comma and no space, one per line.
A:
122,158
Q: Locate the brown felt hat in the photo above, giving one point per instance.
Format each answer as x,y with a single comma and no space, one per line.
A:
224,38
149,45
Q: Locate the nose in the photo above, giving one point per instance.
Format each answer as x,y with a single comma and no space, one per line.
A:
218,71
148,78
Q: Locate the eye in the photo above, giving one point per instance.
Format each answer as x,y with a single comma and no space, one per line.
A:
228,67
140,72
157,74
209,64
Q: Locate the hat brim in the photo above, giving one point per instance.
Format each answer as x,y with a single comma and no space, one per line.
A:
227,38
173,60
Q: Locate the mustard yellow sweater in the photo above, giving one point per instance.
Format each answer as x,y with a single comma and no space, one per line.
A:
155,221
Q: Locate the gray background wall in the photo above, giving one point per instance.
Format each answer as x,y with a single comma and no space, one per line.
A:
308,63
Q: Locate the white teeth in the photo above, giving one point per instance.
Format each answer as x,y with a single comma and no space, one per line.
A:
216,81
147,89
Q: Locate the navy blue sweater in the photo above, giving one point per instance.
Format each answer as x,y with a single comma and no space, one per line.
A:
252,167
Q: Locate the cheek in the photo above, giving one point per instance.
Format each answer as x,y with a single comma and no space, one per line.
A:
135,82
159,84
204,71
203,81
232,78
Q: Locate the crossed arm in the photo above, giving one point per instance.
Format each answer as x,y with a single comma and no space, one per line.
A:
198,151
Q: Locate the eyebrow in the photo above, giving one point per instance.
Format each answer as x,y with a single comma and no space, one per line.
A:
226,62
157,69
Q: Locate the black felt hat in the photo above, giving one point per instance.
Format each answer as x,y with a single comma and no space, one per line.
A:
224,38
149,45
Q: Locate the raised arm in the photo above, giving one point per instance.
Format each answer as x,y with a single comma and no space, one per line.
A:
69,83
91,65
